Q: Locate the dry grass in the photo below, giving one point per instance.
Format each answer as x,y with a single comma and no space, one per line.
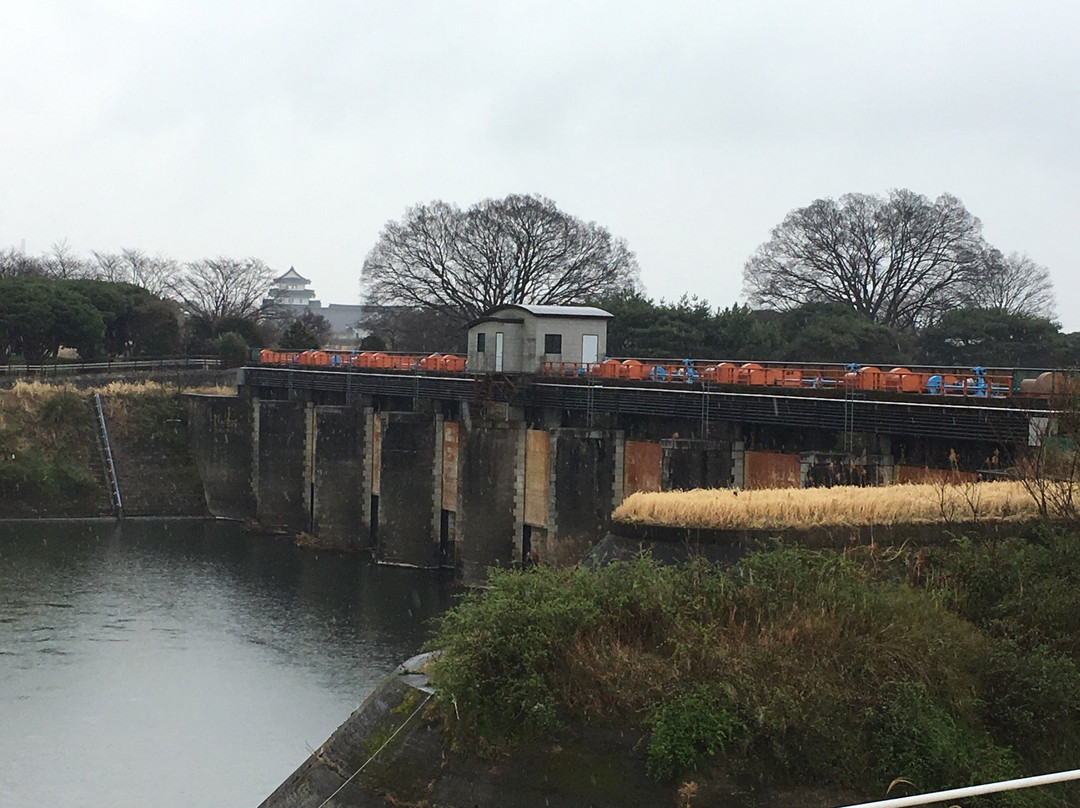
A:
24,393
22,406
842,506
132,389
213,390
39,415
27,393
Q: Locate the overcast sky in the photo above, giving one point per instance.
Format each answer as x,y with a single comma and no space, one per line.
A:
293,131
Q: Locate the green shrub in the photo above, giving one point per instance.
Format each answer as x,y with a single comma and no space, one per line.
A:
688,728
500,661
910,735
1023,588
62,419
1032,702
63,407
231,347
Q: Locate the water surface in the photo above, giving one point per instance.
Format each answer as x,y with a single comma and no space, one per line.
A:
184,663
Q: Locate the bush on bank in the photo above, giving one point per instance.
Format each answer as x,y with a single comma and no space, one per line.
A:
1023,593
793,667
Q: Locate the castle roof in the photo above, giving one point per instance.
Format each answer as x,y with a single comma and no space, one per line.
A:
291,275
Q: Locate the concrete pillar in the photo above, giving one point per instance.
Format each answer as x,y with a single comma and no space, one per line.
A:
449,505
281,464
368,482
220,430
887,469
407,490
582,490
339,437
437,439
309,463
738,464
489,496
619,471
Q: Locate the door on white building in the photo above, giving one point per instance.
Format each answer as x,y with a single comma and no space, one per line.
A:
498,351
590,345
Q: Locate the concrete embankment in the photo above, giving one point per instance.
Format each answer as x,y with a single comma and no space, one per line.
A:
392,751
671,545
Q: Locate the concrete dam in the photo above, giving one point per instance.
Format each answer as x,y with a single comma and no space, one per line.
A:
436,471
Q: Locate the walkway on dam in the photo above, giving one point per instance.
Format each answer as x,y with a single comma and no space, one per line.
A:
1011,421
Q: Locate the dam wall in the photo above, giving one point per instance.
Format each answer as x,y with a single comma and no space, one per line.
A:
464,485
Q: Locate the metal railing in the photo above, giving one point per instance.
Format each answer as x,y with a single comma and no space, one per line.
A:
970,383
972,791
117,365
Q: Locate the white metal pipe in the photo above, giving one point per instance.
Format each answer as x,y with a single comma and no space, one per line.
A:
972,791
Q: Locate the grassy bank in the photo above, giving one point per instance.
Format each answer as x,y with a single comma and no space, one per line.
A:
840,506
48,452
50,463
942,666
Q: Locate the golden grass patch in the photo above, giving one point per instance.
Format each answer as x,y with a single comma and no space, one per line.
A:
213,390
25,392
841,506
32,391
131,389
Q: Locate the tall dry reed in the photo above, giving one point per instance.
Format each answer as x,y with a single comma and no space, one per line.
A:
841,506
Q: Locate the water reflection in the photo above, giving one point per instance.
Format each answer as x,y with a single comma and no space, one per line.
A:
184,663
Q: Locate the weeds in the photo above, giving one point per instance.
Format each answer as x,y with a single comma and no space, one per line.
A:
30,477
791,662
149,416
213,390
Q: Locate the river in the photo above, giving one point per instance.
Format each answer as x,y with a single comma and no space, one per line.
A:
184,663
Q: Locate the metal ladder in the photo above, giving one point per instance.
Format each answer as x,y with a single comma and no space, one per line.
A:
107,459
849,411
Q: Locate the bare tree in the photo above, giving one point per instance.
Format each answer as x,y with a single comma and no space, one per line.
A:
61,262
106,266
222,288
1013,284
16,263
898,260
1050,468
403,328
521,249
154,273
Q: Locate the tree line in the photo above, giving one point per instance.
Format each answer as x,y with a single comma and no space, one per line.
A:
129,304
887,279
831,332
893,279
